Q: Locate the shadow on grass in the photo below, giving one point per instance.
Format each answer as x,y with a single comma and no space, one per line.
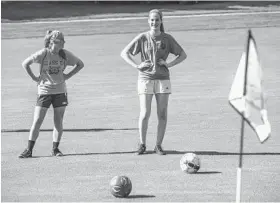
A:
207,172
95,153
101,153
212,153
81,154
87,154
140,196
168,152
68,130
173,152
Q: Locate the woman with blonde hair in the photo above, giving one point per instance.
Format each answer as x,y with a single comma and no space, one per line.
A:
154,47
53,59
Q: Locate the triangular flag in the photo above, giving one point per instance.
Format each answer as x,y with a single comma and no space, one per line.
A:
246,94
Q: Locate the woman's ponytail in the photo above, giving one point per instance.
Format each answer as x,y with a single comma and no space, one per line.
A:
47,39
161,27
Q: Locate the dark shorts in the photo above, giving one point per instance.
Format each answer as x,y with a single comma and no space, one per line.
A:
57,100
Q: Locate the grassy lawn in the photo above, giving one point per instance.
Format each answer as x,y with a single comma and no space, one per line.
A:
15,11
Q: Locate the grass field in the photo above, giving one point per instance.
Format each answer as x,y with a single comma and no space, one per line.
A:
44,10
100,124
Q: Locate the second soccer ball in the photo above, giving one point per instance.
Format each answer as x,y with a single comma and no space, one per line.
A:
190,163
120,186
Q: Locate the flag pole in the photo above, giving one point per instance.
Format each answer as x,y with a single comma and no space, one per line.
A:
239,169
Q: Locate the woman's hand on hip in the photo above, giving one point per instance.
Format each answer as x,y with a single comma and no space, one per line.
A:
66,76
162,63
36,79
145,65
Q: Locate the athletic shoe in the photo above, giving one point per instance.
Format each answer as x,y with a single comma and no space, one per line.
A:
25,154
141,149
158,149
56,152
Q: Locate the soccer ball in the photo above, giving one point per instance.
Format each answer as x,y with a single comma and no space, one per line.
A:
190,163
120,186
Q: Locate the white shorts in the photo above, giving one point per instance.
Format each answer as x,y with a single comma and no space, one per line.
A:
154,86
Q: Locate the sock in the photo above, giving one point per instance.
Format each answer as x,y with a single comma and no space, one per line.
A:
55,145
31,144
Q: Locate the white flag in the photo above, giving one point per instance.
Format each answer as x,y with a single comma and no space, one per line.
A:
246,94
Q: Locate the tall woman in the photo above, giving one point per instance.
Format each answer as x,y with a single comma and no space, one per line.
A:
154,47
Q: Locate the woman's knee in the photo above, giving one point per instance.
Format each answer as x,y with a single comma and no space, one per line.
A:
145,115
58,114
37,122
162,114
39,115
58,122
